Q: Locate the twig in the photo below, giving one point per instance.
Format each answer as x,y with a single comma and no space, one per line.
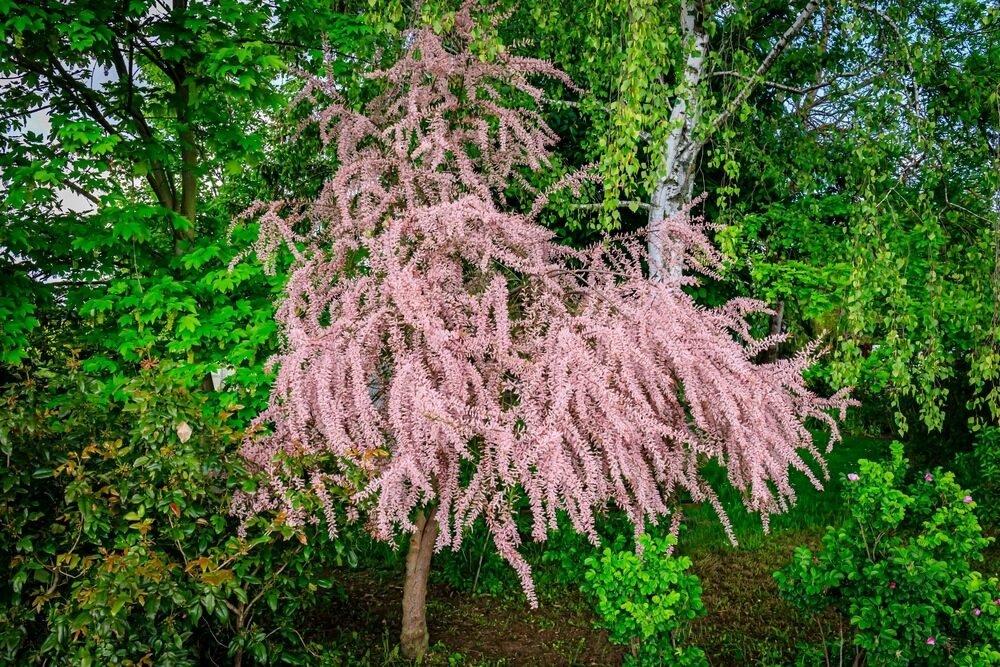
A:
621,204
768,61
782,86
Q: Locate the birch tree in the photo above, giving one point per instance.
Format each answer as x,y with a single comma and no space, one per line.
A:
826,135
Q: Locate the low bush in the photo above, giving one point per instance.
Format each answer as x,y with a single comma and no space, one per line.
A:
899,570
646,601
114,521
984,464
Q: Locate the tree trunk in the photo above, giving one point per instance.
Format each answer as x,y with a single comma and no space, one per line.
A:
777,320
672,192
189,165
187,202
414,638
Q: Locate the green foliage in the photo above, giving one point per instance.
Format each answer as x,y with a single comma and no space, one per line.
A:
857,182
900,570
122,176
18,320
645,602
476,567
114,513
557,563
116,306
983,471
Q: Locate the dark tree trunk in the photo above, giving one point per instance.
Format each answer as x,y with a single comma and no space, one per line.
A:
414,638
777,320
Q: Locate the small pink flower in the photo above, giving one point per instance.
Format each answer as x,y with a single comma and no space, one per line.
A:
928,477
998,601
967,500
976,612
930,640
892,584
853,476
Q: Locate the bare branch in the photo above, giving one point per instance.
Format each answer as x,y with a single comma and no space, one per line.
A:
773,84
621,204
86,194
768,62
149,51
915,89
24,112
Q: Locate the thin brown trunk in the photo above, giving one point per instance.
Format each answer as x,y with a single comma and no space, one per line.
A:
187,202
189,166
157,176
776,323
189,177
414,638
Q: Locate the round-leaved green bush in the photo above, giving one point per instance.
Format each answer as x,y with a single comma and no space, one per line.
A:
900,570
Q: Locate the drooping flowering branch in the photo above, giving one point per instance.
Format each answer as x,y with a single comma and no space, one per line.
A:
451,353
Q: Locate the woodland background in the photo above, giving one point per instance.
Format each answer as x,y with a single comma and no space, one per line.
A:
850,152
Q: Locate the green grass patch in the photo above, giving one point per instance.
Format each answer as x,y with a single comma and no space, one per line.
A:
814,509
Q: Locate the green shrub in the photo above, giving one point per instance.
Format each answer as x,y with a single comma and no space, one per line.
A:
114,519
476,567
986,466
646,602
899,569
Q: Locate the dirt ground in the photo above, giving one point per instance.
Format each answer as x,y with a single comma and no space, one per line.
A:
482,629
747,623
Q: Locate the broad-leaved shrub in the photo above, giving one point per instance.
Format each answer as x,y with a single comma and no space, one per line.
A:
114,520
900,570
646,601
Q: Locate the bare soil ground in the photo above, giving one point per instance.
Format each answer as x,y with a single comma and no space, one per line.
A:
747,622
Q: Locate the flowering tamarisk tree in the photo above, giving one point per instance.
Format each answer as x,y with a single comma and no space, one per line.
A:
443,355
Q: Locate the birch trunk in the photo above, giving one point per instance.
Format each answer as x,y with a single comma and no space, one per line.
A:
672,192
414,638
680,155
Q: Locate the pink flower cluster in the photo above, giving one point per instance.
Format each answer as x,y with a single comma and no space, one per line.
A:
441,348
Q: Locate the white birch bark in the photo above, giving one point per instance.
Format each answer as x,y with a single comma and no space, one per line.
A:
679,158
680,155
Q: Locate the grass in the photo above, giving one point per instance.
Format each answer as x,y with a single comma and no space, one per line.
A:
813,511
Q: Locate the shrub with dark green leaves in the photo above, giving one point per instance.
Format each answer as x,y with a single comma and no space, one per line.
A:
646,601
114,521
986,464
900,570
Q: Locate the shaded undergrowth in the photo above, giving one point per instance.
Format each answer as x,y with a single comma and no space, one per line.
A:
478,616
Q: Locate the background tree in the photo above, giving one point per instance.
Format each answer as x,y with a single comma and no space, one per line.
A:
131,134
820,131
124,121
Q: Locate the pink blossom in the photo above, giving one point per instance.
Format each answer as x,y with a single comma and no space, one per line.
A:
439,346
976,611
930,640
928,477
892,584
853,476
967,500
